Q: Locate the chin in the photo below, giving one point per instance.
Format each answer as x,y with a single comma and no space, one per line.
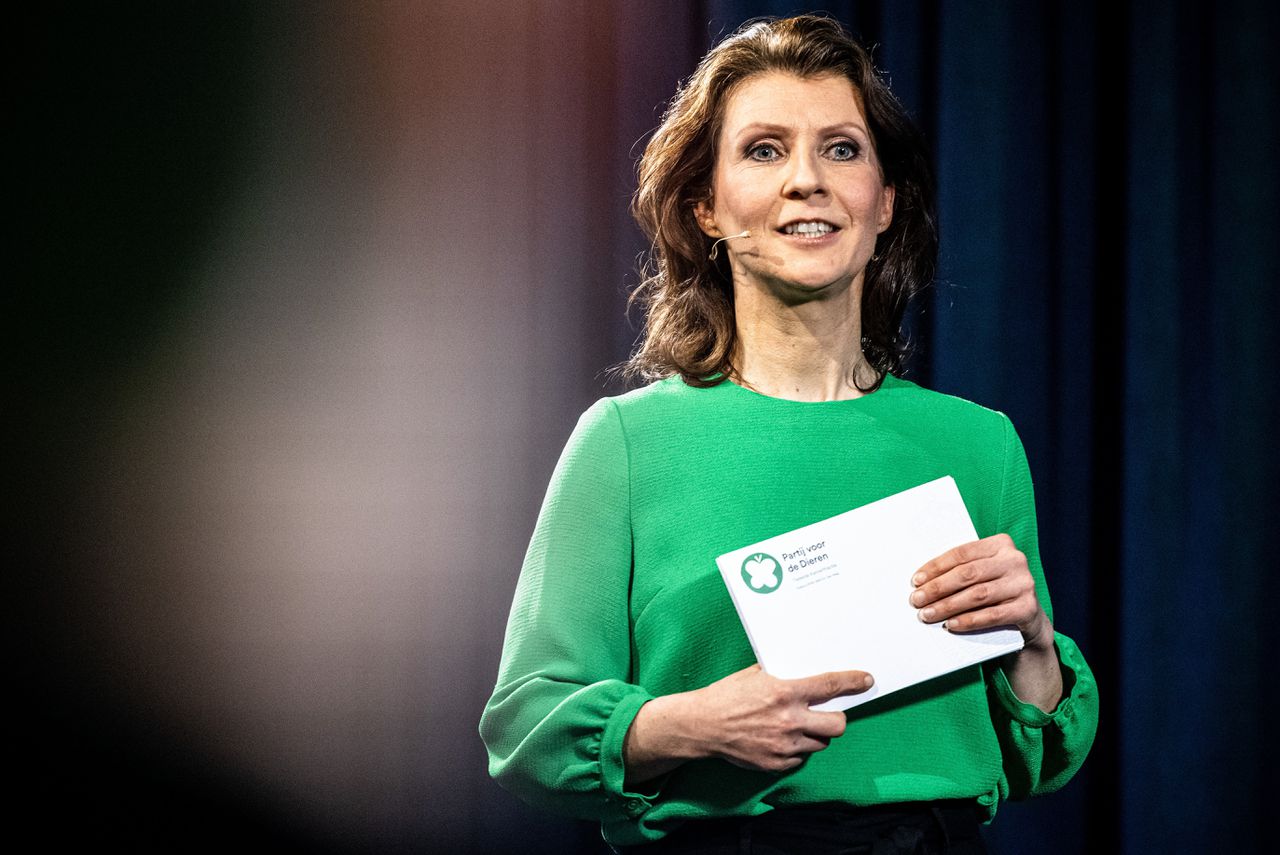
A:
805,291
818,281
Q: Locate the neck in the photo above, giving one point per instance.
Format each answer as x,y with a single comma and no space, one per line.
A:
810,351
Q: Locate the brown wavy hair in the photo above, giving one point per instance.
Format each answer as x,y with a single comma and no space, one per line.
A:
688,299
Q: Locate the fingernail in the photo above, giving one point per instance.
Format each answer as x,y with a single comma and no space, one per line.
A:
917,579
926,615
868,681
917,598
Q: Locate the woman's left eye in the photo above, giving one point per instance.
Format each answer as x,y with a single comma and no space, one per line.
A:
763,151
843,150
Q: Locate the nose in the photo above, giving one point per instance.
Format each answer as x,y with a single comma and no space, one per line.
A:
804,178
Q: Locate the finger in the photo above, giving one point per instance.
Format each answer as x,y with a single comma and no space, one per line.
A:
780,764
1006,614
808,745
783,764
982,595
833,684
956,579
824,725
970,551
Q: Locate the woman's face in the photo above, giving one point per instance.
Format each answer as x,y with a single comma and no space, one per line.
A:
795,165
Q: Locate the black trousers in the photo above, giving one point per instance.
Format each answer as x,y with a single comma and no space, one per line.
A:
913,828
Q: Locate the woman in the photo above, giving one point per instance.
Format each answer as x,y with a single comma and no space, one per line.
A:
791,209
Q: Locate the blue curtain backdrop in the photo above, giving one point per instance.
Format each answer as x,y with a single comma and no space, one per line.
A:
310,295
1109,207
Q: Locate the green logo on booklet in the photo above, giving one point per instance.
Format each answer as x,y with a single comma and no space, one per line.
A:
762,573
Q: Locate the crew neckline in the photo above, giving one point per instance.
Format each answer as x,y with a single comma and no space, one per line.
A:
889,382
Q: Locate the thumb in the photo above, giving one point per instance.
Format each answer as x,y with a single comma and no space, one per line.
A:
833,684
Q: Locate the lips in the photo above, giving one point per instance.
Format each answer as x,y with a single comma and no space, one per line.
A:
808,228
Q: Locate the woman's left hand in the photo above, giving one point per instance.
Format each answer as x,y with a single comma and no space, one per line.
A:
981,585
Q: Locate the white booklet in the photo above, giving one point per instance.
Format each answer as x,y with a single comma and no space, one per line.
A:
832,596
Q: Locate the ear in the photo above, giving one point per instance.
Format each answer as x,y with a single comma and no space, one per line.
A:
886,208
706,217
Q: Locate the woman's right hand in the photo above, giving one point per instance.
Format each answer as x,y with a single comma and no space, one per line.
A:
749,718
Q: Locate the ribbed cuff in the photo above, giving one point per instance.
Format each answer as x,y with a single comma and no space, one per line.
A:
613,771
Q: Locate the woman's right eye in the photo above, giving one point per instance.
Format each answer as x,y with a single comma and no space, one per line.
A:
763,152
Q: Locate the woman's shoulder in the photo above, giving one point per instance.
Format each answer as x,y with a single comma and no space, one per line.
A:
655,400
938,412
941,405
658,393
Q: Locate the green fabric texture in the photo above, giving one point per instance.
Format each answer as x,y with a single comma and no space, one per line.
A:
620,601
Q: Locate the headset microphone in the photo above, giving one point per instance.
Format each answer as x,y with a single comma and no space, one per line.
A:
715,247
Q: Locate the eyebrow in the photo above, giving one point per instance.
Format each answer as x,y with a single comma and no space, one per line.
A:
769,127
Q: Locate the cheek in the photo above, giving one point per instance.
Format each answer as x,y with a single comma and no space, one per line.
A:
742,195
870,203
740,202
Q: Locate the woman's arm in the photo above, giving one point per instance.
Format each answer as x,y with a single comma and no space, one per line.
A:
1034,673
564,697
1043,699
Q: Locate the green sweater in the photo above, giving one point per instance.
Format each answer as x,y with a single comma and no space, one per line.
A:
620,601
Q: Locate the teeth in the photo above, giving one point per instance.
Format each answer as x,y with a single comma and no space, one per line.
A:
814,228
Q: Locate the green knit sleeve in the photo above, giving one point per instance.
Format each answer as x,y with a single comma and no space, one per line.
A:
1041,750
563,702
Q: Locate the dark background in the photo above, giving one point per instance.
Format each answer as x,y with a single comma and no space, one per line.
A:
309,296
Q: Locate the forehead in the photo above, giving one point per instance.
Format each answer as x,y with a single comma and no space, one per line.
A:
791,101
